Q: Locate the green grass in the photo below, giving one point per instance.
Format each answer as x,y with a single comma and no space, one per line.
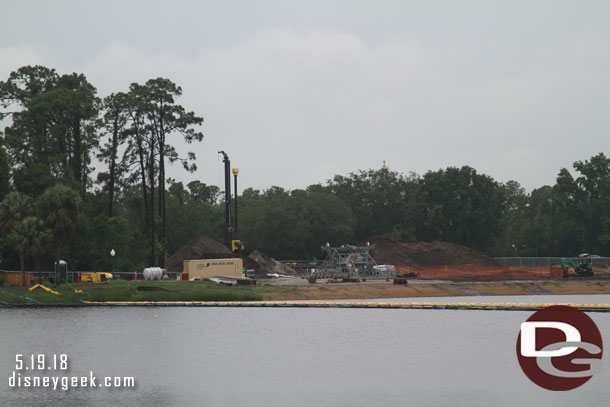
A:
127,291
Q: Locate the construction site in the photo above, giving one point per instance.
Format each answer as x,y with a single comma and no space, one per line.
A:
378,267
375,263
385,268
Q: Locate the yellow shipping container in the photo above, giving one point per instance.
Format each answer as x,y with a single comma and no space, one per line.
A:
214,267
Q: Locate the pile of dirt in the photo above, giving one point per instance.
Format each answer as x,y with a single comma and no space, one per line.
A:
424,254
203,247
267,265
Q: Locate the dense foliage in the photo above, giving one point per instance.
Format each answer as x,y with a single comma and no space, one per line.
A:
55,126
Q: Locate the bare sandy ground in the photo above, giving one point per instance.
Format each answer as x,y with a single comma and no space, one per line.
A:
296,288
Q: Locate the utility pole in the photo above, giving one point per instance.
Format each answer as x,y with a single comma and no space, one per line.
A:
227,196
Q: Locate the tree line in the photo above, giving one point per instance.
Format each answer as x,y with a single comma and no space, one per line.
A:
51,207
58,125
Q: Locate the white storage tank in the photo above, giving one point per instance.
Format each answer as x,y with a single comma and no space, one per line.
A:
152,273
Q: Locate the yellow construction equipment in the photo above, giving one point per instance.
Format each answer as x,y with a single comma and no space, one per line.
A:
47,289
237,246
100,277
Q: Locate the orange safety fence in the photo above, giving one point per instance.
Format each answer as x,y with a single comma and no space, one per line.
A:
15,278
474,271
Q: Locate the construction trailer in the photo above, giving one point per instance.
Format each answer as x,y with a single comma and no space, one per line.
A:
200,269
350,263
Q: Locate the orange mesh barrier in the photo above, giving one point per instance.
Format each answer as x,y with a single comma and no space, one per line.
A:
556,271
474,271
15,278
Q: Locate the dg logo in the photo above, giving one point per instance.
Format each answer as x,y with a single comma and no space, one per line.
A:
559,348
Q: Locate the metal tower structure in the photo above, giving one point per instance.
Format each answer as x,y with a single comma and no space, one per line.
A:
349,263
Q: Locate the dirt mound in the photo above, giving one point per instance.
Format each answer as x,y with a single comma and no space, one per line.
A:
423,254
205,247
267,265
202,247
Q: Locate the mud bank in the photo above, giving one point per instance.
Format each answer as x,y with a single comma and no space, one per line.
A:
436,288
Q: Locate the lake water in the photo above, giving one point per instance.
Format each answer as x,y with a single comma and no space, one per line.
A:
289,357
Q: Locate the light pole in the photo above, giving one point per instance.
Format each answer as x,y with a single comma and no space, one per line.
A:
534,222
235,172
112,253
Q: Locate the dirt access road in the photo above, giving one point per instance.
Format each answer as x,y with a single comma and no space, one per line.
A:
295,288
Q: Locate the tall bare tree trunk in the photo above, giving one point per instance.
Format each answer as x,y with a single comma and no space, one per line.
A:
143,176
152,205
162,201
22,261
161,218
78,158
57,256
39,268
111,181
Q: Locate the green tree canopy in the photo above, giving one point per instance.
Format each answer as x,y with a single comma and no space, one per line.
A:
462,207
381,201
53,129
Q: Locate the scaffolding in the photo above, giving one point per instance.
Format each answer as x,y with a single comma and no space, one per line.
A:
350,263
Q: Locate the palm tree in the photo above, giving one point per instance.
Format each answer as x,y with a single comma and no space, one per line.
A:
31,238
13,210
60,206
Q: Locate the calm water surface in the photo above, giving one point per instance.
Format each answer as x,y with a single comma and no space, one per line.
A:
289,357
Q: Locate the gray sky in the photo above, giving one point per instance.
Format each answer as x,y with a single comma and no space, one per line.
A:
296,92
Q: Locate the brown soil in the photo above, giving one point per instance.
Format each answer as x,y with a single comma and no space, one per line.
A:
423,254
382,289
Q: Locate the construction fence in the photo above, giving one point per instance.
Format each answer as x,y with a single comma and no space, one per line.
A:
15,278
544,261
475,271
12,277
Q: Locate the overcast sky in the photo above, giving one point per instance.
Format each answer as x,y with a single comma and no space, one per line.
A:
296,92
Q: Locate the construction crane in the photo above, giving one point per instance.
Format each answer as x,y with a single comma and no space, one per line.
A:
236,246
227,196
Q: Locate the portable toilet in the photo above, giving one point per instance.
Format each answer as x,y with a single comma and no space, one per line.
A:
63,271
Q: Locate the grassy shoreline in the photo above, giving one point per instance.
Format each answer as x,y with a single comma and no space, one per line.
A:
75,294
